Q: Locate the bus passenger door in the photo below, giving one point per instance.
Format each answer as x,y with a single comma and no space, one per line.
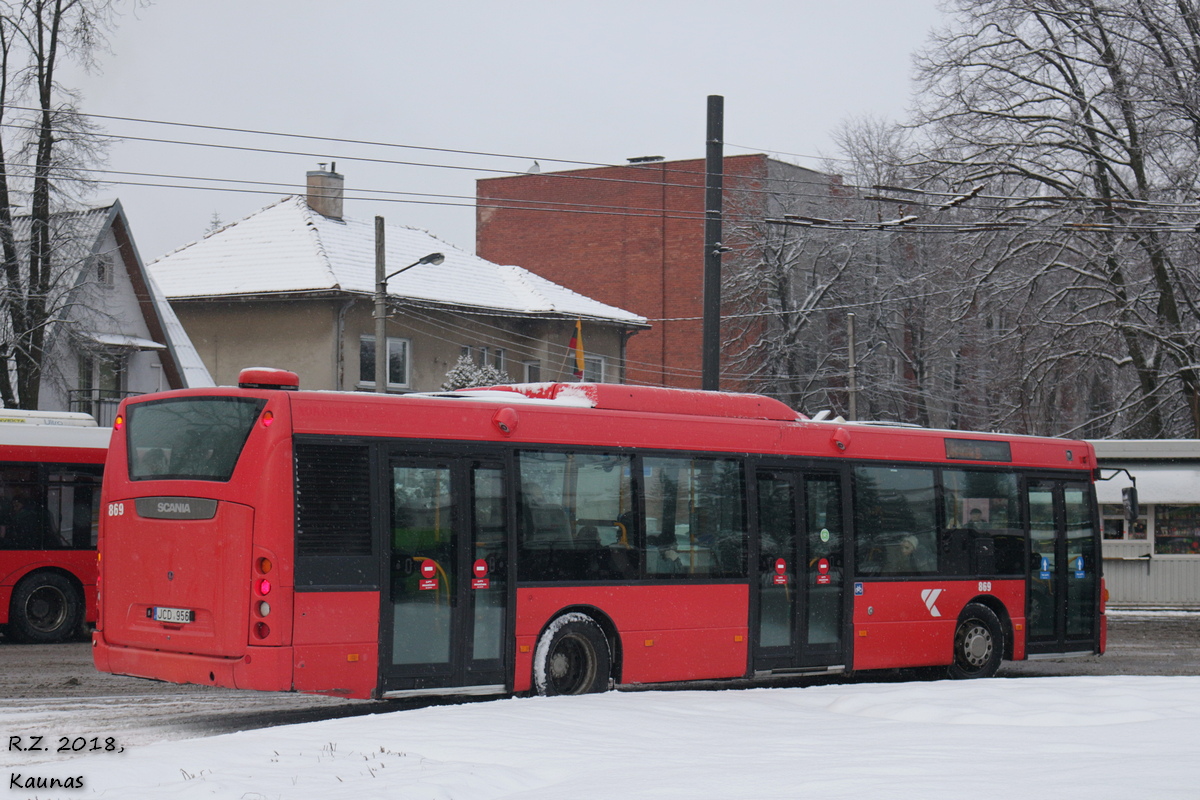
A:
800,578
1063,568
444,608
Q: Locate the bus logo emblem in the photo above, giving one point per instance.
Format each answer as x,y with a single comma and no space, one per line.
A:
930,597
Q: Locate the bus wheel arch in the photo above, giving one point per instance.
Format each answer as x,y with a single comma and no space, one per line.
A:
47,606
576,653
979,642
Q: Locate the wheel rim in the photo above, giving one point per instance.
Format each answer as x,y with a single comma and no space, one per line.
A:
974,645
46,609
571,668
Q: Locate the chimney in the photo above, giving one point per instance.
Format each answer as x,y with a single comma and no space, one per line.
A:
325,191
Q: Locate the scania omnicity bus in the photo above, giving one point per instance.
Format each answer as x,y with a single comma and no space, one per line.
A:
570,538
50,469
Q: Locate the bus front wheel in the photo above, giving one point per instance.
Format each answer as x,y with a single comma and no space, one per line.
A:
46,608
978,643
572,657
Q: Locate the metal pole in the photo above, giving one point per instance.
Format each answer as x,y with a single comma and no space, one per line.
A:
380,310
853,370
714,164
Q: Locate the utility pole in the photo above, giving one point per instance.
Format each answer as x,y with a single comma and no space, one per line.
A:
714,166
380,309
853,368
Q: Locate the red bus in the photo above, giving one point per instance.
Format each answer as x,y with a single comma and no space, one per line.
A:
568,538
50,470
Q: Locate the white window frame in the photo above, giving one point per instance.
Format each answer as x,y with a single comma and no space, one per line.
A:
531,366
106,265
594,368
392,343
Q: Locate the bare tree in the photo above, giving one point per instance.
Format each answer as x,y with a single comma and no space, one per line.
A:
1084,119
43,142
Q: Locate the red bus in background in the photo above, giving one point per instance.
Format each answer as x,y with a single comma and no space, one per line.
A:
567,538
50,470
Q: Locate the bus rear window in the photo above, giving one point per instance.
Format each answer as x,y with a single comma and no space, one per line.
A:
194,438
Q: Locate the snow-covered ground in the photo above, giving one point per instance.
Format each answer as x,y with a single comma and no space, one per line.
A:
1084,737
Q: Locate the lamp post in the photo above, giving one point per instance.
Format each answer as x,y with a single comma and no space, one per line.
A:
381,280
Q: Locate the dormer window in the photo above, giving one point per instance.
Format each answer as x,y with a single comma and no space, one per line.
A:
104,269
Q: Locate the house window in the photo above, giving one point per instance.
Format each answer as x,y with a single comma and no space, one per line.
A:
485,356
397,362
104,269
593,369
532,371
101,385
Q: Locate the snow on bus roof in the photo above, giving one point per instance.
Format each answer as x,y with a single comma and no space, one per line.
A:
624,397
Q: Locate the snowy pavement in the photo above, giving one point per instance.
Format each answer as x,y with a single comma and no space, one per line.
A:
1072,737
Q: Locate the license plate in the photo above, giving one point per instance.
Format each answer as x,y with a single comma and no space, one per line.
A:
175,615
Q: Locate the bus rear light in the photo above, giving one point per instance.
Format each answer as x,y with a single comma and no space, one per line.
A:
262,630
264,609
267,419
119,422
264,565
264,587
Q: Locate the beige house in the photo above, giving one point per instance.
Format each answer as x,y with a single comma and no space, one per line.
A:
292,286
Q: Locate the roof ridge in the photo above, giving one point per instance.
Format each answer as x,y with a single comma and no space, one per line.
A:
223,228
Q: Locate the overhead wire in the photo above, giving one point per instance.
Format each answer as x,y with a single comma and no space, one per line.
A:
824,185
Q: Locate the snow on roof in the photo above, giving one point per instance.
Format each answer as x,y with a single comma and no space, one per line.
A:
286,248
191,367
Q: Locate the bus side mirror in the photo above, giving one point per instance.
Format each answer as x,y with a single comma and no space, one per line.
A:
1129,499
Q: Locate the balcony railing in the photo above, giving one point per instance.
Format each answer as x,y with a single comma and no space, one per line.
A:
100,403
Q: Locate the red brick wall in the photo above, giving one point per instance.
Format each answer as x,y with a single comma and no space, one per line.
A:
630,236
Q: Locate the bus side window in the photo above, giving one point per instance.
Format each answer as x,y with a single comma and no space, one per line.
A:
695,517
982,533
570,510
895,521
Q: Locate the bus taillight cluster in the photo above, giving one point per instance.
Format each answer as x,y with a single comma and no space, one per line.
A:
262,587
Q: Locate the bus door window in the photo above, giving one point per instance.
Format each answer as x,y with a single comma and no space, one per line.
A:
1043,562
1082,566
982,533
489,577
823,503
777,548
895,521
576,518
422,561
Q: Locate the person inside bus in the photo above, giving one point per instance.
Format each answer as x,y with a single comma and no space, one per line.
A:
975,520
28,525
918,556
908,556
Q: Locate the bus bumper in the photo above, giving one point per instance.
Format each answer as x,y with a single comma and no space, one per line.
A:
271,672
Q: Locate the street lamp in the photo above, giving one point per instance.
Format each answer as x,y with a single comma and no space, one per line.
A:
381,280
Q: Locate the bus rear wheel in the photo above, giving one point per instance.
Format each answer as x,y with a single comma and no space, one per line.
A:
978,643
572,657
46,608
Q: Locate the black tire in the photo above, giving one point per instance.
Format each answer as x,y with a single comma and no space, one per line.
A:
978,643
572,657
46,608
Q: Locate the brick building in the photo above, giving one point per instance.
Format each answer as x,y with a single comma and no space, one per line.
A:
633,237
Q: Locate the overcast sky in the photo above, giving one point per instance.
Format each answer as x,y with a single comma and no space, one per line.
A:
591,82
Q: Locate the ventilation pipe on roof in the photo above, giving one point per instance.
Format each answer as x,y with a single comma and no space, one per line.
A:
325,188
